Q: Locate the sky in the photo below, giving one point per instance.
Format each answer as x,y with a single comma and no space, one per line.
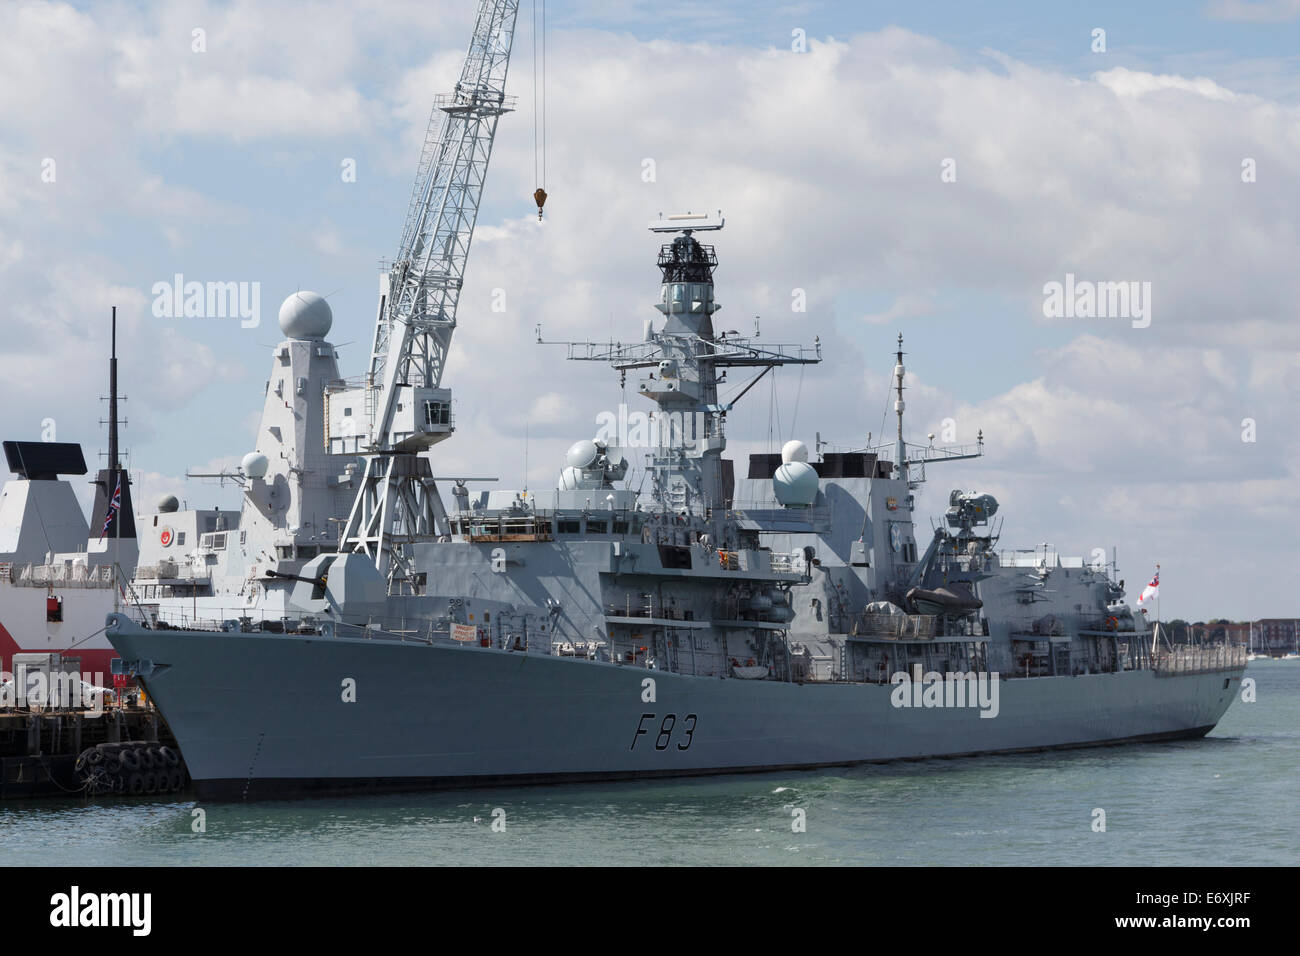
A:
926,169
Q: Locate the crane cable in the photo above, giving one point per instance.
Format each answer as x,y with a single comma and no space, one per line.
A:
539,154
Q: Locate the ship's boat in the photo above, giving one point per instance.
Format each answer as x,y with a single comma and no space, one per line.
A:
951,599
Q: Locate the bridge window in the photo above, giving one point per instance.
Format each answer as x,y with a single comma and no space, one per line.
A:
437,413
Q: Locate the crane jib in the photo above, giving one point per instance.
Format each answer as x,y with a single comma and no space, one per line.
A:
396,501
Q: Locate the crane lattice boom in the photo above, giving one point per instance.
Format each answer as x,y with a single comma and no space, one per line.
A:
418,314
406,409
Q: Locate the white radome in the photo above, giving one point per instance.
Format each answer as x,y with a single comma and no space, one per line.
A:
255,465
795,484
794,451
581,454
305,315
570,479
167,504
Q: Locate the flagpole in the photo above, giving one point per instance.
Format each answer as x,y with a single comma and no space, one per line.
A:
113,466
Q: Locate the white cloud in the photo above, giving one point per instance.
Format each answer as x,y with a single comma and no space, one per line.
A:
906,306
1133,83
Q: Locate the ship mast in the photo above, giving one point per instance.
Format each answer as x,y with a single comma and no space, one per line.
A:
681,362
900,448
909,459
114,465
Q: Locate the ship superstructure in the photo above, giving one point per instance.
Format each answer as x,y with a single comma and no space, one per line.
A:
224,563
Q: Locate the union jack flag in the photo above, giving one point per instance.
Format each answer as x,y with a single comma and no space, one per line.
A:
113,508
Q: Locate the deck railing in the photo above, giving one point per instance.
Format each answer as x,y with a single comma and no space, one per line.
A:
58,575
898,627
1199,660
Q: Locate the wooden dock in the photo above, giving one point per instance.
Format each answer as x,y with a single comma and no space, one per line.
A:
39,748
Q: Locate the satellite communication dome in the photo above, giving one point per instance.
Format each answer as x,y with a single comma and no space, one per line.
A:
305,315
581,454
795,484
255,465
570,478
794,451
167,504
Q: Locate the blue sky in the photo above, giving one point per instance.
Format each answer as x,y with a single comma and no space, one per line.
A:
1124,165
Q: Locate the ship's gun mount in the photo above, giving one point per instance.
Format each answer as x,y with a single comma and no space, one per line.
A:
319,582
347,585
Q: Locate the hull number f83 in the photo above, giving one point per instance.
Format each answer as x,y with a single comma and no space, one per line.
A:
667,726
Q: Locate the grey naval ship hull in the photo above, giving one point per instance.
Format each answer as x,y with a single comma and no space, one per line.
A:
262,715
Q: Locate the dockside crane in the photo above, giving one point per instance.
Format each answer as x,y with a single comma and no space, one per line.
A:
406,408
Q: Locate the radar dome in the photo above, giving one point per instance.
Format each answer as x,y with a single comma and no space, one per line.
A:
795,484
794,451
167,504
570,479
581,454
305,315
255,465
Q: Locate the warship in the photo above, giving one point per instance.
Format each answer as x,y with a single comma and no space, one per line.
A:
350,629
59,575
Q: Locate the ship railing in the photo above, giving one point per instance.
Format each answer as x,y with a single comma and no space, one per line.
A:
894,627
236,619
1199,660
388,629
57,575
1031,558
169,570
760,509
649,611
787,563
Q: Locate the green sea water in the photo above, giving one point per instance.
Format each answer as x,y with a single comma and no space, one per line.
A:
1228,799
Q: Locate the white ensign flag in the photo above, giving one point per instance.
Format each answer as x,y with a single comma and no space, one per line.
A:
1152,590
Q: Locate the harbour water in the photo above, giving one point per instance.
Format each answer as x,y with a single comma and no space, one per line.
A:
1225,800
